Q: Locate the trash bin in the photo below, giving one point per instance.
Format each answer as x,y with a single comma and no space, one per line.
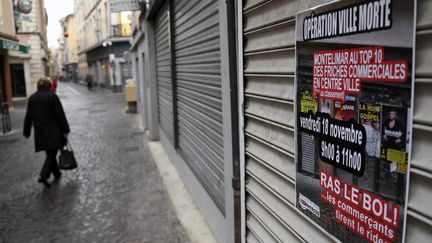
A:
130,96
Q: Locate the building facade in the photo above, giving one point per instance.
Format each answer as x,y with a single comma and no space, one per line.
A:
56,65
13,57
32,31
101,54
222,102
69,54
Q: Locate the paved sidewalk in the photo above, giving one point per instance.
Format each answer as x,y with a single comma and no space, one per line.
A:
116,194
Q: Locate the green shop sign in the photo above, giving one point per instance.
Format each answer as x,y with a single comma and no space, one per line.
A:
13,46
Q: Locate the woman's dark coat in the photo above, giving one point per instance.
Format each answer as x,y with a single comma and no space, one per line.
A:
45,112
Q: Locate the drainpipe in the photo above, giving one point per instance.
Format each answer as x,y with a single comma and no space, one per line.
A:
232,50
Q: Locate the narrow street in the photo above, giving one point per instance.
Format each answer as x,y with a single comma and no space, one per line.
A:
115,195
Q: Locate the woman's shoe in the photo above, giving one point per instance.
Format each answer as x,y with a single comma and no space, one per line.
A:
44,182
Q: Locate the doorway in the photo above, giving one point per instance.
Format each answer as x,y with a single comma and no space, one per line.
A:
18,80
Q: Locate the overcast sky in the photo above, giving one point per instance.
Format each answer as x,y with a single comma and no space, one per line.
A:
56,9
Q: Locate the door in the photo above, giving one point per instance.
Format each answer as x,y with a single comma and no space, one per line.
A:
18,80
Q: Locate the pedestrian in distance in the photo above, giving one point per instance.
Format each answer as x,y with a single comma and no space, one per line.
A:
45,113
89,81
54,83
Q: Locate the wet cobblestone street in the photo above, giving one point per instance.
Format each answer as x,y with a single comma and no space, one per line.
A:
115,195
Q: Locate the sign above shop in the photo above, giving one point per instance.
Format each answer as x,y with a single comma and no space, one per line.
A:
13,46
124,5
24,6
354,85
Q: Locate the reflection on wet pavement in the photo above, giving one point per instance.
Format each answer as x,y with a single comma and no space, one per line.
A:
115,195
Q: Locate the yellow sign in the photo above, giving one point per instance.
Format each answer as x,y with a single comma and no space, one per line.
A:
398,157
308,103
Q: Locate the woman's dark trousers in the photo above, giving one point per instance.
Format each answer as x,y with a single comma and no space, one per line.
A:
50,165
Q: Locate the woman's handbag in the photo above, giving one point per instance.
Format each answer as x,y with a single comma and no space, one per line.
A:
67,159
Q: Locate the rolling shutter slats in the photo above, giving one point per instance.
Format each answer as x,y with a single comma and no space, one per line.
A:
163,72
199,96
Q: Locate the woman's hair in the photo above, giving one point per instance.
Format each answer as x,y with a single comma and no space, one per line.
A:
44,82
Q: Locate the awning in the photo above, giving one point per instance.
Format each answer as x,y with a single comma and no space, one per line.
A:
13,46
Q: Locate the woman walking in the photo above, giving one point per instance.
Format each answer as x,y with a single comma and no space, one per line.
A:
45,113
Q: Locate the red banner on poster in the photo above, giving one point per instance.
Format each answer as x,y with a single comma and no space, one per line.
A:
337,73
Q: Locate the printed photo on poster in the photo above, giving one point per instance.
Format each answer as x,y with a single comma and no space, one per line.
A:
370,118
393,137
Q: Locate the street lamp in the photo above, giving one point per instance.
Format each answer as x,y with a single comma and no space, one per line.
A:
107,43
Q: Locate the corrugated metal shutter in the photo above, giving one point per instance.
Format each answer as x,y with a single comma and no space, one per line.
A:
308,153
126,71
163,72
269,38
419,227
198,77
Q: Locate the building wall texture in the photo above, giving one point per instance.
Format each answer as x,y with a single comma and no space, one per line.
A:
7,30
71,46
34,34
7,23
101,54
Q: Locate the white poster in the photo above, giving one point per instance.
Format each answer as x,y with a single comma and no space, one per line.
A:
354,80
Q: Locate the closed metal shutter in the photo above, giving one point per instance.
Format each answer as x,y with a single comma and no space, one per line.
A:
126,71
163,72
269,41
105,65
269,57
419,224
308,153
198,77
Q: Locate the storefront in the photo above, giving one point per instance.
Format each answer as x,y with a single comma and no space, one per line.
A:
71,72
5,87
7,77
107,65
183,63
